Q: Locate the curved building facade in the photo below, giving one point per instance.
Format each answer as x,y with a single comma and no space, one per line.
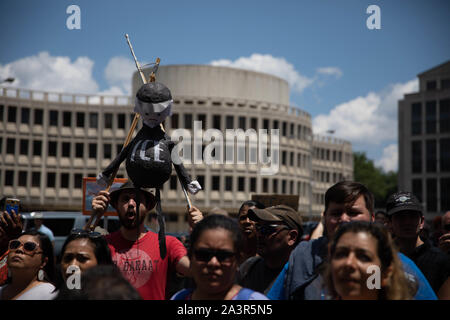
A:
49,141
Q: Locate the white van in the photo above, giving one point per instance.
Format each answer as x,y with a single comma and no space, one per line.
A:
61,223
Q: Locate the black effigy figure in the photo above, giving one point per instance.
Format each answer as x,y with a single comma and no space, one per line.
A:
148,155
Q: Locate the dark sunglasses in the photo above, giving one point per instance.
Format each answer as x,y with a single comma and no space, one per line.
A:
447,227
28,247
205,255
90,234
268,229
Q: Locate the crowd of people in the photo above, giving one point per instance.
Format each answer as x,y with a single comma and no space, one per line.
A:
354,253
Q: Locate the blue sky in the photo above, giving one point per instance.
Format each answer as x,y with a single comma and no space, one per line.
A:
346,76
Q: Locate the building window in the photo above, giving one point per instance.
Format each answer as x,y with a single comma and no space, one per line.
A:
66,149
67,119
445,154
121,121
37,148
107,151
283,158
275,186
229,120
228,183
188,121
78,181
12,114
54,118
24,147
430,125
108,120
202,119
216,183
283,186
254,123
38,116
275,124
174,121
80,120
416,118
119,148
92,150
23,178
25,119
431,156
445,191
431,85
299,131
242,123
252,184
416,156
2,108
35,179
444,115
65,180
9,177
417,188
284,129
79,150
266,124
51,179
201,181
52,146
445,84
216,122
93,120
173,182
432,195
10,146
265,185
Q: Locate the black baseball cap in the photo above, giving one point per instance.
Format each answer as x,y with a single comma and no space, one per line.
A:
114,195
279,213
403,201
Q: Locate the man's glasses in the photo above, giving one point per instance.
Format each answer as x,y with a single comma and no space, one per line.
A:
205,255
447,227
29,247
268,229
90,234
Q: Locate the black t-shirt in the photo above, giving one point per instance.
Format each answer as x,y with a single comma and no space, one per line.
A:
255,275
434,264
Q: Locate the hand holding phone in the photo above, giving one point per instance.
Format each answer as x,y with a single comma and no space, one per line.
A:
12,204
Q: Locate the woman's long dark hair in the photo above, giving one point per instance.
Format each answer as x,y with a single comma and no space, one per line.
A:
216,221
47,252
101,249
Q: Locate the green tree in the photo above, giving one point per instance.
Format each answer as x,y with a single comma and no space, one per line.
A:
380,183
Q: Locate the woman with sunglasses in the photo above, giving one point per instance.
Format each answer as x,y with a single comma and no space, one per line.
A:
31,267
216,243
83,250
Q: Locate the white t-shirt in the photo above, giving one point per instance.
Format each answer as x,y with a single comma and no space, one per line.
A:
43,291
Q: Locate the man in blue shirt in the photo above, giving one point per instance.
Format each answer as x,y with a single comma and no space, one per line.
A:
301,277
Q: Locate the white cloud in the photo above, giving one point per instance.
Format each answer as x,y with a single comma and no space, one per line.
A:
50,73
389,159
272,65
331,71
60,74
118,73
370,120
